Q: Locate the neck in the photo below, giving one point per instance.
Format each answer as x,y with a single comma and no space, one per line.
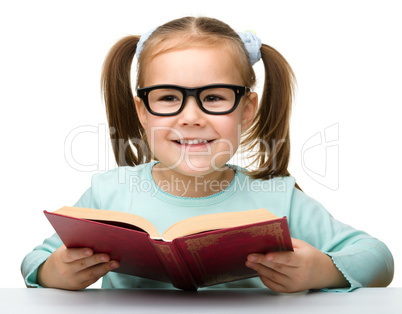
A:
179,184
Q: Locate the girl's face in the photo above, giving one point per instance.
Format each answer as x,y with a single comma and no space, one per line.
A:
193,68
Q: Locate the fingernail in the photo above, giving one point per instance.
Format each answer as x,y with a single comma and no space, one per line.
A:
252,258
87,252
114,265
269,258
250,264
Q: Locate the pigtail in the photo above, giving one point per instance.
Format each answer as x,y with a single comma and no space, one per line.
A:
124,125
269,136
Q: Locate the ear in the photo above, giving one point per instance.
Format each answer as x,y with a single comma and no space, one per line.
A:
141,111
250,108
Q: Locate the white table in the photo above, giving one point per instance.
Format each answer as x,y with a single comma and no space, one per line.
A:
246,301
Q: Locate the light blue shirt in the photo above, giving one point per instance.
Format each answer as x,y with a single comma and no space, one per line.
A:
361,258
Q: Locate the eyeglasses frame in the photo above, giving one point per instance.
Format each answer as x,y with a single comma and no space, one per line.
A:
239,91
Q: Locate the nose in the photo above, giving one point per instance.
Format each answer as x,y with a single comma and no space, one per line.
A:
191,115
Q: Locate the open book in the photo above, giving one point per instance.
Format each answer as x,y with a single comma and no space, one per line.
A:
195,252
179,229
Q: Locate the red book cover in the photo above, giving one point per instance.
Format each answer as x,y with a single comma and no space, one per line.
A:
188,262
132,248
219,256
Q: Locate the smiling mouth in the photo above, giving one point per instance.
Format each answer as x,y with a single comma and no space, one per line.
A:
193,141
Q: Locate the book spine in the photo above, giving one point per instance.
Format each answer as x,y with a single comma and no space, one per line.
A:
174,265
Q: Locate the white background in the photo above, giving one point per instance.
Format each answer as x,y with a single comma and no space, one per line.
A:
346,56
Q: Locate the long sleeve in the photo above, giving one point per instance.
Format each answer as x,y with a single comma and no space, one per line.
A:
32,261
363,260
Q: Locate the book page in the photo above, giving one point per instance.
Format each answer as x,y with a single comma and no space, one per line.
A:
110,215
216,221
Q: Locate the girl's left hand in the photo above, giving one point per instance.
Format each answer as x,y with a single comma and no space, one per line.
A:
305,268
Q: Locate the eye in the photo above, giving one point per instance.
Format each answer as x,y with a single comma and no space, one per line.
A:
212,98
168,98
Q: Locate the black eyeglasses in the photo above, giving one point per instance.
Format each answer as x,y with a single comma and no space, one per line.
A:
169,100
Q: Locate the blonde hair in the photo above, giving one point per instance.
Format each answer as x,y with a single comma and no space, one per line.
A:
268,137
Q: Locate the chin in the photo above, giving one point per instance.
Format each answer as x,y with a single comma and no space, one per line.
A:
196,168
202,169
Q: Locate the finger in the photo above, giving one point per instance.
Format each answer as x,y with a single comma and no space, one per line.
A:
269,273
284,258
274,286
92,274
296,243
72,254
256,258
87,262
278,267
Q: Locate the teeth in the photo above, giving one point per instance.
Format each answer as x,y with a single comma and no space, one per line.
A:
190,142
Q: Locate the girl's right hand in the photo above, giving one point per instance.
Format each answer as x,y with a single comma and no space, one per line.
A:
74,268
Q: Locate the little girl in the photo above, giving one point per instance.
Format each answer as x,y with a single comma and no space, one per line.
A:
172,141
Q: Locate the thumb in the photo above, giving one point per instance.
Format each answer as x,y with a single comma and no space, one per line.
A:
298,243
